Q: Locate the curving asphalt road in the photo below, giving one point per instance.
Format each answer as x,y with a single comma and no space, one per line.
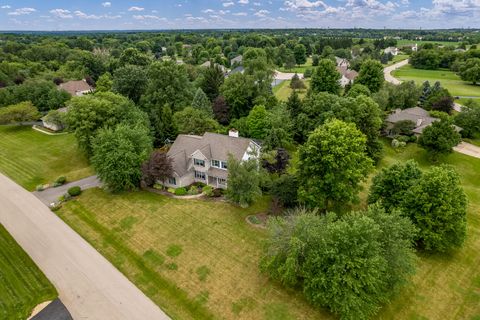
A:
388,71
88,285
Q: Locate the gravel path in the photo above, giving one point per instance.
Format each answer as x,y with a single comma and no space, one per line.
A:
88,285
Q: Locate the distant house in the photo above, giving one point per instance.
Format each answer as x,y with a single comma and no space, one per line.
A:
208,64
413,47
341,62
236,61
54,122
204,158
348,76
76,88
420,117
238,69
392,50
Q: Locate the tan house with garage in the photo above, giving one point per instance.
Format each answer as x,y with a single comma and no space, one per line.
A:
204,158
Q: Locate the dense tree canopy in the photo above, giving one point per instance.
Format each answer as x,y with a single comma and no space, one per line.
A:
371,75
326,78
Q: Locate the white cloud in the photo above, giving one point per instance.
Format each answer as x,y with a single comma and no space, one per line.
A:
21,11
228,4
148,17
240,14
261,13
5,7
61,13
243,1
106,4
136,9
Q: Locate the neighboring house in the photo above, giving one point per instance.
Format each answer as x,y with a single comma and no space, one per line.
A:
204,158
208,64
76,88
348,76
420,117
413,47
53,122
342,63
236,61
392,50
238,69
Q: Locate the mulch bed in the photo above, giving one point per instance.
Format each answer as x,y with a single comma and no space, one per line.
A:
262,218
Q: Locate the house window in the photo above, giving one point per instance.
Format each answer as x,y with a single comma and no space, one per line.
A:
224,165
216,163
200,175
222,181
172,181
198,162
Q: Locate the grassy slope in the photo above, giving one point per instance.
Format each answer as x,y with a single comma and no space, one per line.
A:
448,79
22,284
137,231
125,227
30,157
445,286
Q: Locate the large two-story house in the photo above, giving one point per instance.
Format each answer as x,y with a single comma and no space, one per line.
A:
204,158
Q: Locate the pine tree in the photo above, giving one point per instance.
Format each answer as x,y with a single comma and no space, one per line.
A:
201,102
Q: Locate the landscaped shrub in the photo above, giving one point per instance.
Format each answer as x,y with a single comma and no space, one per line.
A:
61,180
171,190
158,186
180,191
193,190
218,193
40,187
74,191
208,191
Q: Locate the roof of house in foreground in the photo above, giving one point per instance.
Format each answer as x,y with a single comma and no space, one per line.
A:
211,145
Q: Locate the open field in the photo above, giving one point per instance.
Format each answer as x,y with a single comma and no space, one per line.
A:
404,42
196,259
397,58
447,78
22,285
31,158
300,68
200,257
283,90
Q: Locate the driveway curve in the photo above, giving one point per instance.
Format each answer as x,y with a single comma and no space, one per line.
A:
388,71
88,285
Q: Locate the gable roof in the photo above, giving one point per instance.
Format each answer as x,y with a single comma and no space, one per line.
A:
417,115
211,145
75,86
347,73
237,59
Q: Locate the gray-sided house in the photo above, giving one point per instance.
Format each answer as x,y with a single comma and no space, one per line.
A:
204,158
420,117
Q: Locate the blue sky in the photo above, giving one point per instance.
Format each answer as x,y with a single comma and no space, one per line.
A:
199,14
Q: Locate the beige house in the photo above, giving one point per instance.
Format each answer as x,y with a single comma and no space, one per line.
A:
76,88
204,158
348,76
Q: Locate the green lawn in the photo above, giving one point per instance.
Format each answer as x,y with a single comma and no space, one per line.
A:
447,78
31,158
299,69
22,285
397,58
283,90
404,42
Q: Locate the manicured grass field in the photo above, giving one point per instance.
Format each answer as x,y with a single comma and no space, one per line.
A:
398,58
283,90
300,68
196,259
199,259
447,78
22,285
31,158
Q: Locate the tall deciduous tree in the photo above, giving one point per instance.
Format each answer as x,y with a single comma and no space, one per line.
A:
437,205
332,164
240,92
221,110
118,154
326,78
391,184
300,53
130,81
243,181
371,75
257,122
351,265
470,71
439,138
104,83
194,121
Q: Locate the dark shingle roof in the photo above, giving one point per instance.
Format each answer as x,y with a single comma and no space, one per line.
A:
54,311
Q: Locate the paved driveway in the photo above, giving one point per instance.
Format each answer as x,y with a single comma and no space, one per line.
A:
52,194
468,149
89,286
388,71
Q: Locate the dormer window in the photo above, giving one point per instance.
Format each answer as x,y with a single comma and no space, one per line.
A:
215,163
199,163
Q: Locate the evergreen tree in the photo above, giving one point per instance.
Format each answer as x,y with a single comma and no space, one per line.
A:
201,102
